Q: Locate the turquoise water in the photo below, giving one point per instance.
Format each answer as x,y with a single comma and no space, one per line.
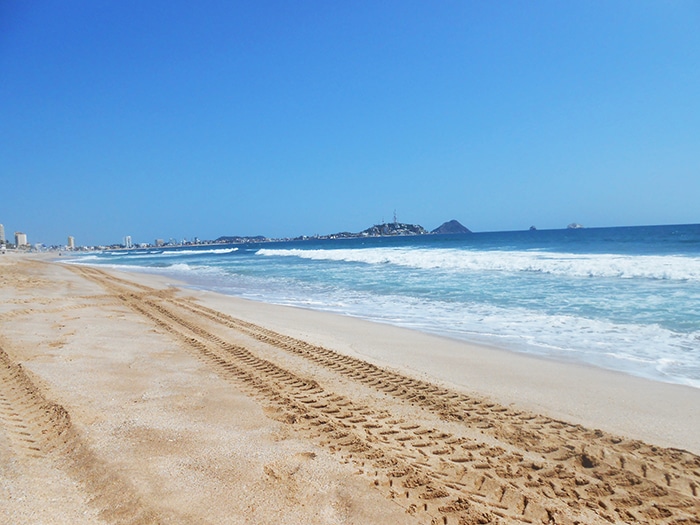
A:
626,299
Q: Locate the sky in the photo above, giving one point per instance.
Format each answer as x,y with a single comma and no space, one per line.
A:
180,119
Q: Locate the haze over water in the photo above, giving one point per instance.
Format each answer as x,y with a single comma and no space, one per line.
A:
626,299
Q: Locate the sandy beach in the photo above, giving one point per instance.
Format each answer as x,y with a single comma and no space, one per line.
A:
128,399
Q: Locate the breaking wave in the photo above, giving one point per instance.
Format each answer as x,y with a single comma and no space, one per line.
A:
661,267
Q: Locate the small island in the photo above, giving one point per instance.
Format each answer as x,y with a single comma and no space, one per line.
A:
451,227
386,229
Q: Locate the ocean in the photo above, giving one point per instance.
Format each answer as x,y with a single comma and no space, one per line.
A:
624,299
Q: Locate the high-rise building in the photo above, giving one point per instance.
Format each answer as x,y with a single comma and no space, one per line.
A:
20,239
71,242
2,234
127,242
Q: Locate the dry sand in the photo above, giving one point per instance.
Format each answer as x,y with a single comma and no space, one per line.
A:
126,400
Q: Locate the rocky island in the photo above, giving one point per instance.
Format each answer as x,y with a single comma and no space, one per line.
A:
453,226
387,229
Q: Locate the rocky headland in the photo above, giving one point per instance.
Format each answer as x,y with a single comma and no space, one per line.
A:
387,229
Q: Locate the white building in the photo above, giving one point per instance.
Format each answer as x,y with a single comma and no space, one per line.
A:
2,234
20,239
71,242
127,242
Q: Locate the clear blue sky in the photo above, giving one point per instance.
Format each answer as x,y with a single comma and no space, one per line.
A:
281,118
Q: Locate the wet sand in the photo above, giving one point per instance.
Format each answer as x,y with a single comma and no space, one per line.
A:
125,399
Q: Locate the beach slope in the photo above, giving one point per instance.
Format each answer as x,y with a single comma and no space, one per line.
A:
134,401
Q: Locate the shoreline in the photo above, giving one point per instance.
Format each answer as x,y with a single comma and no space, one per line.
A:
475,342
139,400
636,407
655,352
579,393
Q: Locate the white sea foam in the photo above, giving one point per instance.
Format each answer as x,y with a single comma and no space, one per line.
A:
131,255
185,271
660,267
184,267
169,253
639,316
200,252
644,350
82,258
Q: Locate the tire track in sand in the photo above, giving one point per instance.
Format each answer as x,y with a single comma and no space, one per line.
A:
677,468
39,428
498,464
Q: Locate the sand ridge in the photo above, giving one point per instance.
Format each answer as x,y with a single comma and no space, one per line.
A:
438,455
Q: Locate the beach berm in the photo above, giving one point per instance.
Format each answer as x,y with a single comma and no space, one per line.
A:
135,400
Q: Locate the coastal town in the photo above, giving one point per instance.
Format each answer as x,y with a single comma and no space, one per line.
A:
394,228
390,229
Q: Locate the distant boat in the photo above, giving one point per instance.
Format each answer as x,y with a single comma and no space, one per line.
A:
533,228
575,226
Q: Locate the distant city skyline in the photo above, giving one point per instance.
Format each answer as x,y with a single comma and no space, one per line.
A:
179,120
128,242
